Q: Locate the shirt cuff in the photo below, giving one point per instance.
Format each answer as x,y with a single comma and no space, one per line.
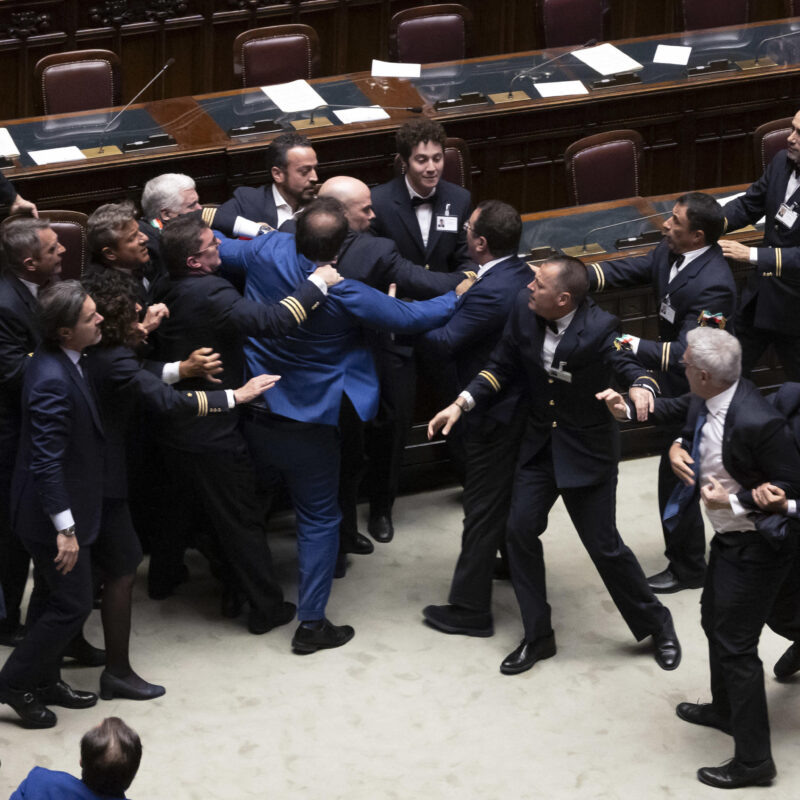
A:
791,509
231,398
469,401
754,255
319,283
737,508
171,373
63,519
246,227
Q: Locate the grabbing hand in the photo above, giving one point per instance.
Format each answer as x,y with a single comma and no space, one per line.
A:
255,387
681,463
644,402
769,497
714,495
329,274
615,403
203,362
735,250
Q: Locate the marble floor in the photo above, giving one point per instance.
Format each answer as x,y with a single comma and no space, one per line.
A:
405,712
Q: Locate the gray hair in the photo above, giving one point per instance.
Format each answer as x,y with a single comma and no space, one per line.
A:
164,191
717,352
20,238
60,307
106,223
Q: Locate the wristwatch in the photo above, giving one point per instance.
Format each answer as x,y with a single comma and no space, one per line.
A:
70,531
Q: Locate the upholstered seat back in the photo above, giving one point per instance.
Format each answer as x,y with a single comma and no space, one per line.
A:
279,54
430,33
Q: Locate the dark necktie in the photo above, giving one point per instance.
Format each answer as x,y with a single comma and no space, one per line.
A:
676,259
553,326
682,494
422,201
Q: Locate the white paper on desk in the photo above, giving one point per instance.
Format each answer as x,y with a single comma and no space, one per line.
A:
672,54
560,88
294,96
724,200
56,155
364,114
607,59
7,146
388,69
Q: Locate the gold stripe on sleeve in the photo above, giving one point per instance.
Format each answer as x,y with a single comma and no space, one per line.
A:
287,303
490,379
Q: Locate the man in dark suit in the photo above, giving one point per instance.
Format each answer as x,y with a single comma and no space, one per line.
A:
424,215
57,494
324,361
734,439
690,277
562,345
292,164
16,203
33,255
768,308
376,261
491,439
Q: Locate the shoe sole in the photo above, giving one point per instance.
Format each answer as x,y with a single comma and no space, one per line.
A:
703,724
482,633
520,670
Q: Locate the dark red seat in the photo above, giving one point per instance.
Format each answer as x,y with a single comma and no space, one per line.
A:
568,22
78,80
425,34
278,54
696,14
769,139
606,166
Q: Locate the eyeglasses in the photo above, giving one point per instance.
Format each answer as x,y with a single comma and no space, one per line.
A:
213,246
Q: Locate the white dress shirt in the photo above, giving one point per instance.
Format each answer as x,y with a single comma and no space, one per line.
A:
424,212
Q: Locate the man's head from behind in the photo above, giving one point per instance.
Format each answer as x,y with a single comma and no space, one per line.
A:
696,221
420,144
168,196
559,286
32,249
493,231
321,230
189,246
354,195
115,239
292,163
712,360
110,757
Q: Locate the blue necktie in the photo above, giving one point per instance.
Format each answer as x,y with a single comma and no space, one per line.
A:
682,494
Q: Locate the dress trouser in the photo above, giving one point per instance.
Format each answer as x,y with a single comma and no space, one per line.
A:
307,456
592,510
491,455
755,341
66,603
743,578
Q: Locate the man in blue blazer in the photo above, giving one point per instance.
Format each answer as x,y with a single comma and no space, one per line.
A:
57,498
491,439
768,308
562,346
690,277
323,361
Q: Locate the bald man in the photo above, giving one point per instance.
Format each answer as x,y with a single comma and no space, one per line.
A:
376,261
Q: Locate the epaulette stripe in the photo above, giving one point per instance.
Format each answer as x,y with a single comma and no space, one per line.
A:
208,215
299,306
665,356
202,404
601,278
490,379
287,303
724,224
649,378
778,262
468,273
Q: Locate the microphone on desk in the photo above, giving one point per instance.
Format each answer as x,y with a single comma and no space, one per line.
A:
116,116
527,73
412,109
632,241
754,63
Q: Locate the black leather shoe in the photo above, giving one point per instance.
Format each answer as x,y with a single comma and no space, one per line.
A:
667,582
788,663
29,708
734,775
257,623
380,527
357,544
527,654
320,634
62,694
132,688
702,714
667,648
11,637
85,654
455,619
232,602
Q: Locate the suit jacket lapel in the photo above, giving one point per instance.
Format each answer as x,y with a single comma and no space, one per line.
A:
689,271
406,213
83,385
30,302
569,341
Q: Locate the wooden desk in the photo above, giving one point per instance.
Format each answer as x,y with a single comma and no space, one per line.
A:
697,131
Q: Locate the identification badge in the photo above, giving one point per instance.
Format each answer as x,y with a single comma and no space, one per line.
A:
559,373
667,311
447,224
786,216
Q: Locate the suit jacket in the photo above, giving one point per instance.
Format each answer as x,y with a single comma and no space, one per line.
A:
121,382
61,456
46,784
255,203
772,293
582,433
705,284
472,333
7,191
327,355
396,219
206,311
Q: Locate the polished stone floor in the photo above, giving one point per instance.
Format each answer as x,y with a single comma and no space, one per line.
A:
405,712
